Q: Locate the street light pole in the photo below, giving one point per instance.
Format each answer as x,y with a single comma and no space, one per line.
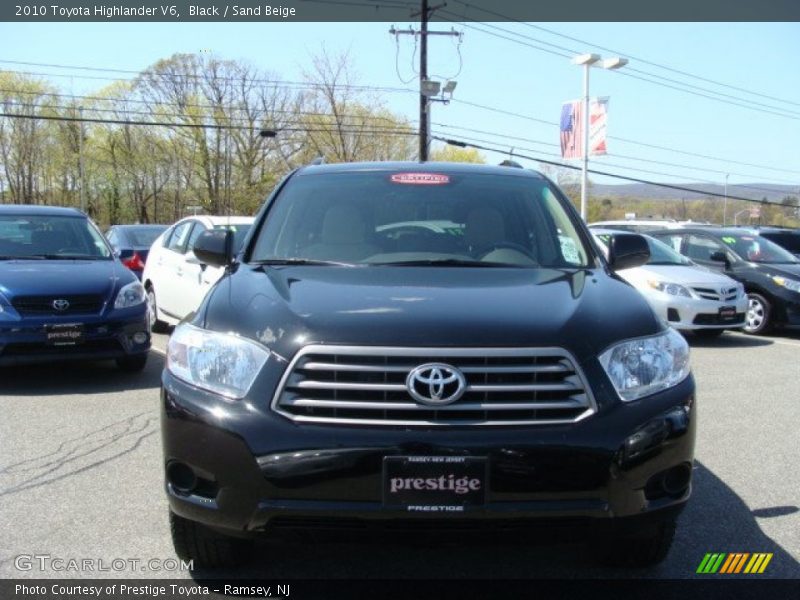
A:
585,142
588,60
725,203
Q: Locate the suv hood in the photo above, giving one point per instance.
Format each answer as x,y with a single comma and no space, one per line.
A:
286,308
61,277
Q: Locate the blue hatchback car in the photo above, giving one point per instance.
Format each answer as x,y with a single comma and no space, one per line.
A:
64,295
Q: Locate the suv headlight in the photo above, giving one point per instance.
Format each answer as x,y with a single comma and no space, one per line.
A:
643,366
218,362
130,295
789,284
673,289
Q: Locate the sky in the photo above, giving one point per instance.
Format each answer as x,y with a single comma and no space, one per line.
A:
509,76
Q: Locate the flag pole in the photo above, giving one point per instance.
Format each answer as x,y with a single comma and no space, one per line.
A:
585,116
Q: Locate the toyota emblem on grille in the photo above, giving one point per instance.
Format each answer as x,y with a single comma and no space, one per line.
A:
60,304
436,384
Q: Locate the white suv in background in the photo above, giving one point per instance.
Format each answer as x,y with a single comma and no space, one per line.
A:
174,279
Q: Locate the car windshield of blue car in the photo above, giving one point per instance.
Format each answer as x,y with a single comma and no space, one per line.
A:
420,219
48,237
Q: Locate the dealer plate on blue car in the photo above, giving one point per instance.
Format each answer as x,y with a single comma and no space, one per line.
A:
65,334
434,484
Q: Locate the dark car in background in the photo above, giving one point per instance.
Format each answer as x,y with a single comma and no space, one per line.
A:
770,274
131,243
415,348
787,238
63,293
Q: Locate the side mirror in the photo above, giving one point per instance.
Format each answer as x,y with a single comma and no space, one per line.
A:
719,256
627,250
214,247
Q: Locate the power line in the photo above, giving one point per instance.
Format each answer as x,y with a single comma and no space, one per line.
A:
638,59
651,77
626,140
628,157
476,105
462,144
313,129
229,119
173,77
225,108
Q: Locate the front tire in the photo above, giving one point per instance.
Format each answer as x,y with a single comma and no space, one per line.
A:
645,548
759,315
205,547
156,325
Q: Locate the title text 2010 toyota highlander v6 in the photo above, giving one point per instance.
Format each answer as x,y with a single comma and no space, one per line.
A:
424,346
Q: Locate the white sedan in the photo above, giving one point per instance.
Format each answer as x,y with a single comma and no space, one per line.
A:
687,296
174,279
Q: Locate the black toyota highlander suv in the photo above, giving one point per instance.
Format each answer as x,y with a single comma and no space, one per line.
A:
424,347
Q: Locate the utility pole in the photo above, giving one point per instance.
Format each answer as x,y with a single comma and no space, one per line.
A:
424,115
425,92
80,158
725,204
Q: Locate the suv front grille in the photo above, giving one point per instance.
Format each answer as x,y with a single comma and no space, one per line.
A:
43,305
367,385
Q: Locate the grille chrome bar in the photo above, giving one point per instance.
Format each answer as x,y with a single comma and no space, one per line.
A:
351,385
413,406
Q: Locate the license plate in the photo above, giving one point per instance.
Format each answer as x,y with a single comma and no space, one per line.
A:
66,334
727,313
434,484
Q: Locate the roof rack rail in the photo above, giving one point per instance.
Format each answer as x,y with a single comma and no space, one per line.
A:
318,161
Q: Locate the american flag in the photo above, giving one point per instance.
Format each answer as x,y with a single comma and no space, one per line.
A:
571,129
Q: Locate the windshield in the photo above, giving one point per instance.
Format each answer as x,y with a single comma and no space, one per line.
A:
757,249
382,218
789,241
141,237
50,237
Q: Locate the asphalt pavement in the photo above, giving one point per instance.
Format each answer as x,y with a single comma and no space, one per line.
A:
80,477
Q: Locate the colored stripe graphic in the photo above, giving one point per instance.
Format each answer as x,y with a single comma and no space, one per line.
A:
711,562
758,563
728,564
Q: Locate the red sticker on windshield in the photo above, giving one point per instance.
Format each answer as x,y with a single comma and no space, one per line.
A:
420,178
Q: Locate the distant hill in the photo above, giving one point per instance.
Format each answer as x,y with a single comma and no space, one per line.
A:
773,192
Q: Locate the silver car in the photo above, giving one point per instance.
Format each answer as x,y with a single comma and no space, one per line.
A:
686,295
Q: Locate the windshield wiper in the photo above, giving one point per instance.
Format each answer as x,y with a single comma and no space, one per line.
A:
301,261
443,262
31,257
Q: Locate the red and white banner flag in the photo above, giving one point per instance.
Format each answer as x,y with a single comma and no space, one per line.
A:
571,126
598,126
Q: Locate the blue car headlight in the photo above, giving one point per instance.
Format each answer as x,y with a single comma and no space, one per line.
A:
222,363
130,295
644,366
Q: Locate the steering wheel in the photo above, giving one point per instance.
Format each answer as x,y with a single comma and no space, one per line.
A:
484,252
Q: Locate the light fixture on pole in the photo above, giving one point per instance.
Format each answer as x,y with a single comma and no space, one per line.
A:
586,61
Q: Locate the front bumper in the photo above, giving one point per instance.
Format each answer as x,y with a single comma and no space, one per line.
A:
697,313
257,471
24,340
